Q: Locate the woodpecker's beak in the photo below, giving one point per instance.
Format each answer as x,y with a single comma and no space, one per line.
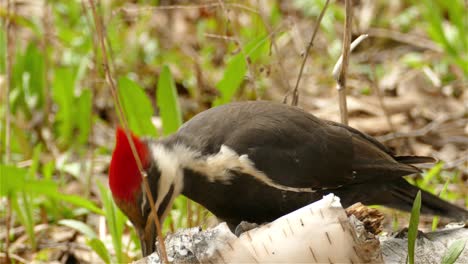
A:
148,240
148,234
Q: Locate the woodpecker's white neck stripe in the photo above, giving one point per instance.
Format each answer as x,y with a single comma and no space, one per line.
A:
215,167
171,174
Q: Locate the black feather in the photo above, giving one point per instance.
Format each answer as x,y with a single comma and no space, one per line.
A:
404,193
415,159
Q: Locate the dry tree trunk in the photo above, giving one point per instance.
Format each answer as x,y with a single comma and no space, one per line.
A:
318,233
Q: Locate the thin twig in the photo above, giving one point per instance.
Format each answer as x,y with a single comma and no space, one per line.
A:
189,213
216,36
341,79
8,64
238,42
339,62
90,151
457,162
113,88
295,99
13,256
282,69
416,133
410,39
199,6
47,27
378,94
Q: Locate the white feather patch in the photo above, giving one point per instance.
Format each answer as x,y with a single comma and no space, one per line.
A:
216,167
171,174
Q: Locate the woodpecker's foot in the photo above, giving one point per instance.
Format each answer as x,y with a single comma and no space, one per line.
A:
244,227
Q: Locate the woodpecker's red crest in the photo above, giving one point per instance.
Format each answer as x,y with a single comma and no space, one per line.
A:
125,181
124,175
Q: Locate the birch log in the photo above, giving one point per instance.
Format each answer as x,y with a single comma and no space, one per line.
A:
318,233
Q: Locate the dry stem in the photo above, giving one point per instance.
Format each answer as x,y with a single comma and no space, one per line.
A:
242,50
295,99
275,47
375,87
341,80
113,88
195,6
8,64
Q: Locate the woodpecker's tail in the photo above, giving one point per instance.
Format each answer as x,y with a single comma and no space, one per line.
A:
403,195
415,159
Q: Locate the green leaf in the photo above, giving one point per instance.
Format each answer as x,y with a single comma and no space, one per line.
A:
79,226
14,183
80,202
32,172
34,66
23,207
28,80
258,47
48,170
435,220
99,247
236,68
115,220
84,107
45,187
232,78
433,172
137,107
454,251
435,223
168,103
63,94
413,227
12,179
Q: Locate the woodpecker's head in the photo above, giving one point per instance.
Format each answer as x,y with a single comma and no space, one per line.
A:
126,183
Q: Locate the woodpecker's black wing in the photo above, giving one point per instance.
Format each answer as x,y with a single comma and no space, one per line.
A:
292,147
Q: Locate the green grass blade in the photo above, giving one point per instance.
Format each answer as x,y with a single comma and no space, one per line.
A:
435,220
34,66
457,15
115,221
80,227
33,169
454,251
413,227
63,94
21,208
100,249
83,110
168,102
433,172
80,202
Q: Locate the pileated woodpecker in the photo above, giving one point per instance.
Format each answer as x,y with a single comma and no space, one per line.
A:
257,161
